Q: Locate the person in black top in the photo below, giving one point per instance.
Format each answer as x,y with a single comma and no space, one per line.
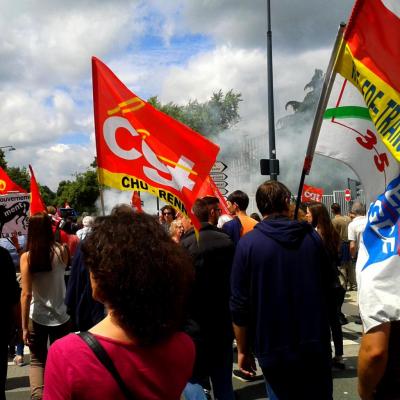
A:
319,218
212,254
9,295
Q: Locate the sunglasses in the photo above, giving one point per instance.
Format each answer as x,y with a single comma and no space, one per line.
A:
167,213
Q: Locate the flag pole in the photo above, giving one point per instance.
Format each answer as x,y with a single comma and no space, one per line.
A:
102,200
322,103
100,188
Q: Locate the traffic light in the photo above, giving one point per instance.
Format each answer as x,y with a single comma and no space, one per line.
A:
355,187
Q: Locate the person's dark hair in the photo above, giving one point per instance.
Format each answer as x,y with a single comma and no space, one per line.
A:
255,216
170,209
272,197
200,210
122,209
210,201
40,243
322,221
336,209
240,198
140,274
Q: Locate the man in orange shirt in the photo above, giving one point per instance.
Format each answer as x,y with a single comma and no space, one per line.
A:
238,202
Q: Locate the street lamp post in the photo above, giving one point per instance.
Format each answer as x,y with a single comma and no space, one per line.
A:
9,148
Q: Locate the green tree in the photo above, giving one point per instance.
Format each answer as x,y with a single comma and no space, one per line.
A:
20,176
80,193
48,196
209,118
3,162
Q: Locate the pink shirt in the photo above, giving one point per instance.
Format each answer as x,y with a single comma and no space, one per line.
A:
158,372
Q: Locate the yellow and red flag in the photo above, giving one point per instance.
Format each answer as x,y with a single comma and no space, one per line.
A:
370,60
37,204
141,148
7,185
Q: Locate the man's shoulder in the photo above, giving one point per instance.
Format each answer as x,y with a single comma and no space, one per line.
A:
211,237
214,232
358,221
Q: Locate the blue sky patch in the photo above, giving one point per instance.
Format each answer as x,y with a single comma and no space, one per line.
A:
75,138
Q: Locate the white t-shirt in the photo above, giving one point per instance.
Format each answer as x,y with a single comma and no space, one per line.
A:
48,294
356,228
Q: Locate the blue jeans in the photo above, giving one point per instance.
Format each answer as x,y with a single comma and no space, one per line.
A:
194,391
221,372
270,392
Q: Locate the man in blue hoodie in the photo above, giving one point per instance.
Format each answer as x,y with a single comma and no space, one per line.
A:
279,301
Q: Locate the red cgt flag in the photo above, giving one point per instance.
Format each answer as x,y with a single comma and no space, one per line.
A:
136,201
7,185
311,193
141,148
37,204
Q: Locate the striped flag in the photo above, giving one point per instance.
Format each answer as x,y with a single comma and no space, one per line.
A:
370,60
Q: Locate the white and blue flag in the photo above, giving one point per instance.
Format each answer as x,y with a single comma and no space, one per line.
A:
348,134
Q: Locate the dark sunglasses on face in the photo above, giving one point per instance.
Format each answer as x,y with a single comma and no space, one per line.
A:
167,213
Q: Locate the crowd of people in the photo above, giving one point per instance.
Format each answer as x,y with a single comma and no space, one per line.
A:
160,307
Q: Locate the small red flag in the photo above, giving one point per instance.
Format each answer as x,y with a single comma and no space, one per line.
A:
311,193
210,189
136,202
7,185
37,204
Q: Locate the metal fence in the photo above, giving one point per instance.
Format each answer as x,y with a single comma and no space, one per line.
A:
337,196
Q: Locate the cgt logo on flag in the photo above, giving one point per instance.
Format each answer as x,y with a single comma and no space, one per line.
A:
311,193
141,148
3,185
178,172
383,224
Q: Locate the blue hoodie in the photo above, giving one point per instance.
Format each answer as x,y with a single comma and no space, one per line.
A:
280,285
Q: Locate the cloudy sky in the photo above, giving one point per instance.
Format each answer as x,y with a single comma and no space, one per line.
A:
176,49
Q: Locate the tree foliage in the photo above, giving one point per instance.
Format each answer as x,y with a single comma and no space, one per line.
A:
80,193
209,118
48,196
20,176
3,162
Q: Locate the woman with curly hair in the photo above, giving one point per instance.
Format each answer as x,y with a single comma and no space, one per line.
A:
143,279
318,216
44,314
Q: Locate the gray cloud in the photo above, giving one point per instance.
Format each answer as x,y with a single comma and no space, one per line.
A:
296,24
